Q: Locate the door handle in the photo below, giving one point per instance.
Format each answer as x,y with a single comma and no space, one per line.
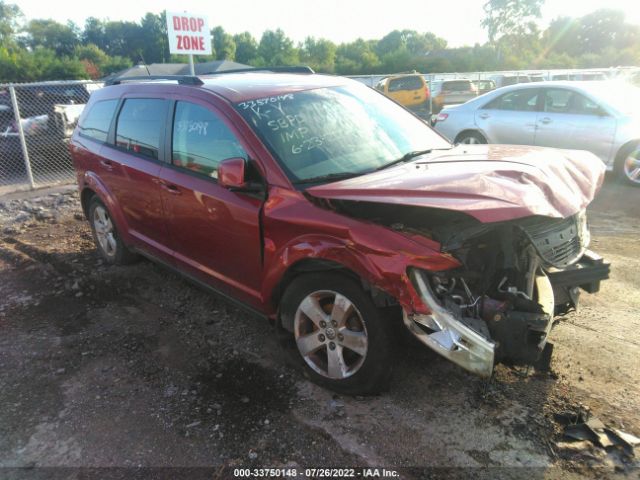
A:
484,115
169,187
108,164
545,120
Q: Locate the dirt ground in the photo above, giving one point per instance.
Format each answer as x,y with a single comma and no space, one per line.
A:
136,368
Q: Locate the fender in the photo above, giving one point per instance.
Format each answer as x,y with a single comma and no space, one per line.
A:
91,181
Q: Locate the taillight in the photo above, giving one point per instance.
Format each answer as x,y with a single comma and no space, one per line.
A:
442,117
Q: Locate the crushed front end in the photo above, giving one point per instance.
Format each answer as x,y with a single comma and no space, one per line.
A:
514,278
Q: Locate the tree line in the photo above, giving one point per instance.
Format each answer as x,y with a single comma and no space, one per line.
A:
41,49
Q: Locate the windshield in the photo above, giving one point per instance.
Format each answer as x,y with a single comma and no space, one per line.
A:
336,131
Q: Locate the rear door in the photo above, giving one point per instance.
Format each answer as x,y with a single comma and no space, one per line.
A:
131,166
510,118
571,120
214,232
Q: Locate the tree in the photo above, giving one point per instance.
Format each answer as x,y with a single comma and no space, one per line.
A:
223,44
510,17
10,18
319,54
52,35
276,48
358,57
154,33
246,47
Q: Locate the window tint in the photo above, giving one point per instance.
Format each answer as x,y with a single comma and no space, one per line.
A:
96,123
568,101
524,100
405,83
140,125
201,140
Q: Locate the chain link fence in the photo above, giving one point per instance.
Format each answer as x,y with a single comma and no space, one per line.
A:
36,122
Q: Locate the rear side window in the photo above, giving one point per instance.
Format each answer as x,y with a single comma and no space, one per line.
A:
96,123
141,125
201,140
524,100
405,83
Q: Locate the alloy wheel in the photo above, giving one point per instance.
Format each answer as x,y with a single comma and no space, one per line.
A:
632,167
330,334
105,233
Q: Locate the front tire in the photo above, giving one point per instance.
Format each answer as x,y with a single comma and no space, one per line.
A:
105,235
627,164
330,328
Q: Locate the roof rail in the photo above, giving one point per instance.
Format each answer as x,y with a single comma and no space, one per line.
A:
282,69
181,79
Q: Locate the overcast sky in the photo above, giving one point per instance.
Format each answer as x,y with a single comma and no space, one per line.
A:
458,21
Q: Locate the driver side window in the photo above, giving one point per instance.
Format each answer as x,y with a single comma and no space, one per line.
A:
201,140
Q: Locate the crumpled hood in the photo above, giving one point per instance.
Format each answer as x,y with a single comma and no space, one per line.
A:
491,183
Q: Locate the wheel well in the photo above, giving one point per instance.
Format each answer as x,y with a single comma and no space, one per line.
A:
312,265
469,130
85,200
617,158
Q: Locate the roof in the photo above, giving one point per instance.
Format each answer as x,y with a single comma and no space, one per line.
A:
176,69
240,87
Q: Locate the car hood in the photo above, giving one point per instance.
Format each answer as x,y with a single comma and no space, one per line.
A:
491,183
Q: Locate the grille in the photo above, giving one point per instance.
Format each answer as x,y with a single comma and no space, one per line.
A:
559,242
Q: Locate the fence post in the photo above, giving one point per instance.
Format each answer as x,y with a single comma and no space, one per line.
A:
23,142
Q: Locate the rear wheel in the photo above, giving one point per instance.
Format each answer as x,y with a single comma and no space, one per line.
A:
108,241
333,331
628,164
470,138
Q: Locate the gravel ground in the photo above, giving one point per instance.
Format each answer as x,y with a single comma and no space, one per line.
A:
135,369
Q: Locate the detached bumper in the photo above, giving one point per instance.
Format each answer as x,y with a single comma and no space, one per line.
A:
448,336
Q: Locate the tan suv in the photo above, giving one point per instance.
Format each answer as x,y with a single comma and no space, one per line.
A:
409,90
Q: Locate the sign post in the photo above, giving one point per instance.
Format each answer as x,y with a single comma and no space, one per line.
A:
188,35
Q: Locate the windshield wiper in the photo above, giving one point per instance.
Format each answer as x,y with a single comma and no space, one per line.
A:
408,156
329,177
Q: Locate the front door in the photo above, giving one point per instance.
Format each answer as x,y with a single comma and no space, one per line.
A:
214,232
571,120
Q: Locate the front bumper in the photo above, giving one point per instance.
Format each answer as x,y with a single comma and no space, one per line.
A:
448,336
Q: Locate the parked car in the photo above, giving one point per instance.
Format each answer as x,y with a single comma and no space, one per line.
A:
409,90
600,117
484,86
322,205
452,92
510,79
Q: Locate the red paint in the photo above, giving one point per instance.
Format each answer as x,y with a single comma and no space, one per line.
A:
231,173
243,246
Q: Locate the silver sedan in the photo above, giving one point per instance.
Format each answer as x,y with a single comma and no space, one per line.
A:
601,117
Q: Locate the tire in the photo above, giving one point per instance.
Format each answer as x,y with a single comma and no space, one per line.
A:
347,350
627,165
105,235
470,138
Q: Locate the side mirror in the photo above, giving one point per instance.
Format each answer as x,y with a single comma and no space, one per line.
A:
231,173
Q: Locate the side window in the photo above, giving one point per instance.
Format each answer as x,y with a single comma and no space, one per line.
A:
567,101
140,125
201,140
96,123
524,100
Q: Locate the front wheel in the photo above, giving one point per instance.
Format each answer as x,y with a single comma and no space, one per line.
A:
332,329
628,164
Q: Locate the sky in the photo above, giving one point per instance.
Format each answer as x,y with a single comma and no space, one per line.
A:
457,21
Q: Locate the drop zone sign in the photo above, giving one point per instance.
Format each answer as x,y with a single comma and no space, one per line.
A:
188,34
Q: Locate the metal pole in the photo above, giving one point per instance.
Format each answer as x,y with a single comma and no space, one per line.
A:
192,69
23,142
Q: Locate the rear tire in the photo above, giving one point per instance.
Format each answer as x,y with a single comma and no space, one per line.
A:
627,164
105,235
470,138
330,329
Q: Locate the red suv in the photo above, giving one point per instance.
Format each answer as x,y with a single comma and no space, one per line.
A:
322,205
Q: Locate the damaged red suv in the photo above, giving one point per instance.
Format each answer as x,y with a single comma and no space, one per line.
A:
322,205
